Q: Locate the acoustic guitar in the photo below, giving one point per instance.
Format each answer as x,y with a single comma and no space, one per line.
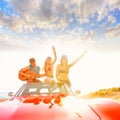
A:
31,73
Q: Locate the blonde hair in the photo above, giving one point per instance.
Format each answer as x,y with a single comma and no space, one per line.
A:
64,57
45,64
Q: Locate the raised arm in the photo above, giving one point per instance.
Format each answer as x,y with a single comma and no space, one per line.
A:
55,56
75,61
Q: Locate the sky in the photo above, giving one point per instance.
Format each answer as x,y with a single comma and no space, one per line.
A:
29,28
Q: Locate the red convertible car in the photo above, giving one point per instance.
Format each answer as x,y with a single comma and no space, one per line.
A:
56,101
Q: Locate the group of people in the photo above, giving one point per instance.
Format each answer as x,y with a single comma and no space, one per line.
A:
31,73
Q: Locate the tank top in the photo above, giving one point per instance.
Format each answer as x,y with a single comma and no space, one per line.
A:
36,70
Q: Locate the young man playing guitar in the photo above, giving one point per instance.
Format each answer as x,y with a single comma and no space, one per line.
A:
31,72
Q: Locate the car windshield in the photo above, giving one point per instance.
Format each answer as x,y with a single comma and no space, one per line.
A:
44,88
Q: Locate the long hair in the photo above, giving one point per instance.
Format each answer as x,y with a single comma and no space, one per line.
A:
45,64
64,57
66,64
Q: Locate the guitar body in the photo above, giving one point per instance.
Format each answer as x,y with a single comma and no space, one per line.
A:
30,73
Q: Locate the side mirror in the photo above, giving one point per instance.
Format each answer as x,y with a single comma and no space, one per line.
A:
77,92
10,94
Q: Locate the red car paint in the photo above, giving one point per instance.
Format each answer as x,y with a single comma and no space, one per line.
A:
56,106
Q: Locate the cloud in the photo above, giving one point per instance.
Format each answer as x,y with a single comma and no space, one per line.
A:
90,35
41,13
29,15
87,8
14,42
114,4
6,43
102,13
44,13
33,22
113,32
110,21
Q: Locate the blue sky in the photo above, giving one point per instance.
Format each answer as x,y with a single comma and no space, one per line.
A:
33,22
30,27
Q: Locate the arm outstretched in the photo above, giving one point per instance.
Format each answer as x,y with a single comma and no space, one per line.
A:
55,56
75,61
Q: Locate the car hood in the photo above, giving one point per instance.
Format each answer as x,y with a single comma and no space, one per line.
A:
107,109
46,108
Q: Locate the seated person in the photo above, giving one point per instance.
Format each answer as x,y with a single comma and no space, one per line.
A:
62,69
30,73
48,67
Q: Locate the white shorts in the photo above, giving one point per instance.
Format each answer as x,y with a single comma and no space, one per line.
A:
49,79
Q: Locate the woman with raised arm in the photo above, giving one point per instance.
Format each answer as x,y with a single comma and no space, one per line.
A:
62,69
48,67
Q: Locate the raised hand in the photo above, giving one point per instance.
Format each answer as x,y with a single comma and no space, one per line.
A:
55,56
53,48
